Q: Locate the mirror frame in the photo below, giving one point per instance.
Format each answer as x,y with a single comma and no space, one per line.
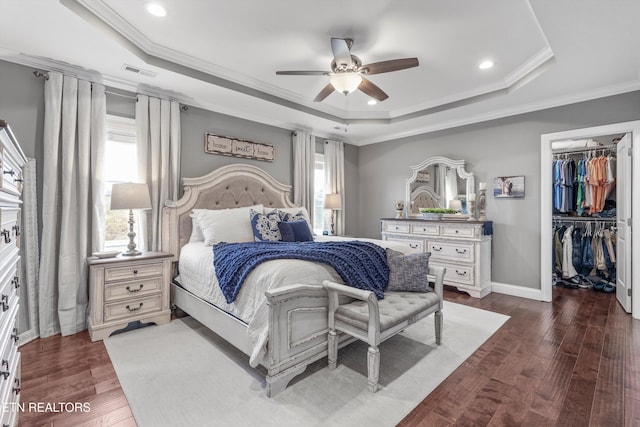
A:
458,165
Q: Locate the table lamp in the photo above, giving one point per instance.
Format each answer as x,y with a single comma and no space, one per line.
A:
130,196
332,201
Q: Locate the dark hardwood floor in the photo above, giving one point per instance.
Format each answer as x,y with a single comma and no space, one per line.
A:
572,362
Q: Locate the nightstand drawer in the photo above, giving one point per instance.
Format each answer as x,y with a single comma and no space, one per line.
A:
132,289
132,308
416,245
453,251
137,271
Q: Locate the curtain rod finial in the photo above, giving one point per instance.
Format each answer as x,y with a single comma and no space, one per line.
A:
39,74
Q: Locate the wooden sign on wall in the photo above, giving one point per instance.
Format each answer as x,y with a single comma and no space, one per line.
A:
216,144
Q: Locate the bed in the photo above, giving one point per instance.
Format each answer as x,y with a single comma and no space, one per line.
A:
282,325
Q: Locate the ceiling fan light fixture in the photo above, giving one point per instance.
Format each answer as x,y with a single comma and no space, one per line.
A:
372,102
155,9
346,82
486,64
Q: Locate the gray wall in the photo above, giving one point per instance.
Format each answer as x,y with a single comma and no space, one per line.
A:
194,161
504,147
22,105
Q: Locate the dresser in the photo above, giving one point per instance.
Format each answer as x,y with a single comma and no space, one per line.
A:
12,160
460,246
128,289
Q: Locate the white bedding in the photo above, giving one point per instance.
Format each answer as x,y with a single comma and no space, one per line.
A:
197,275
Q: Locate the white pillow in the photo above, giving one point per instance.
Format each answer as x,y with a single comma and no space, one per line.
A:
226,225
296,211
196,230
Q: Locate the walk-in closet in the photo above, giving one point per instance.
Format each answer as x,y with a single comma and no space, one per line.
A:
586,211
584,240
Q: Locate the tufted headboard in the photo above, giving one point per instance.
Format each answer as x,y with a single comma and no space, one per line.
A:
231,186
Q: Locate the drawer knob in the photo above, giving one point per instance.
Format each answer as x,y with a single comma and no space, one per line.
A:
18,180
133,291
463,251
4,301
15,282
9,172
461,273
413,245
14,335
7,235
5,363
397,228
135,271
16,229
133,310
437,249
16,388
5,374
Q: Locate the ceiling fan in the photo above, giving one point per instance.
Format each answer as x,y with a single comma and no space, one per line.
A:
347,72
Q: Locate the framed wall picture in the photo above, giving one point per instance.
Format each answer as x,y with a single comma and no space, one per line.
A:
226,146
508,187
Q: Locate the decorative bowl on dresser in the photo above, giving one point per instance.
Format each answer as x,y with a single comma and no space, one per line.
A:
128,289
12,160
460,246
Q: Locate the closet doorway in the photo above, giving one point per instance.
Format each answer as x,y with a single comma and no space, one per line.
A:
628,252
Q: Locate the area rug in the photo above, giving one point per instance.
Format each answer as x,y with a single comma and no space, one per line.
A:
182,374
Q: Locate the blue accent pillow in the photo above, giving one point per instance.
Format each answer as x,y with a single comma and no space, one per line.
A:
295,231
265,226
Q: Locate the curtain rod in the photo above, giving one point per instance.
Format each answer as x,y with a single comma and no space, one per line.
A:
582,219
45,75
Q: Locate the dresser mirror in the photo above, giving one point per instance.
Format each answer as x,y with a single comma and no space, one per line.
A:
435,182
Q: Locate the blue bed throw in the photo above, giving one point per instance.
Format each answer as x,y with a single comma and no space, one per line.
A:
362,265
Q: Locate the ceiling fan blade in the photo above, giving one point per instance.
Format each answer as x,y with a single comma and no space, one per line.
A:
303,73
372,90
341,52
326,91
388,66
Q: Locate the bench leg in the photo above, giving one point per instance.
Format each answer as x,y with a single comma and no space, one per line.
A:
333,349
373,365
438,322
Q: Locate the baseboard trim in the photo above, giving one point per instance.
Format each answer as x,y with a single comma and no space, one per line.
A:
516,291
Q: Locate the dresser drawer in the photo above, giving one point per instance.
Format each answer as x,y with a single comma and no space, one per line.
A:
132,289
138,271
11,181
132,308
396,227
426,229
453,251
458,231
9,228
415,245
10,392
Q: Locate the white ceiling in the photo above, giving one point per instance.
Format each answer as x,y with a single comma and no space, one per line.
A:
223,55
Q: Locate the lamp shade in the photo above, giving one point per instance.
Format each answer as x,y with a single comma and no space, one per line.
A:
346,82
332,201
130,196
455,204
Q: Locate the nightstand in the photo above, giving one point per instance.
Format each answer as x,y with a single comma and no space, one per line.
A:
127,289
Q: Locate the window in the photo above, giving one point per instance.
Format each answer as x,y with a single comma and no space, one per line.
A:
318,195
120,165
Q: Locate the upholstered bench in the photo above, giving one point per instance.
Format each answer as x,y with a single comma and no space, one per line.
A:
373,321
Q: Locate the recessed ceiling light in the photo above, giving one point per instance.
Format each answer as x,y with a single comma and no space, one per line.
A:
372,102
485,65
155,9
